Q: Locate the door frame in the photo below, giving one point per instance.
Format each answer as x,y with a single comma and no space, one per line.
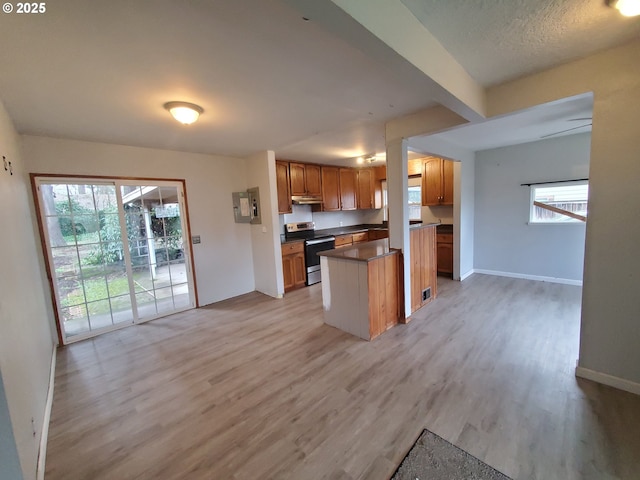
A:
102,178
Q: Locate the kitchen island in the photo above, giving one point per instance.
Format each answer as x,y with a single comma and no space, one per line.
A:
362,288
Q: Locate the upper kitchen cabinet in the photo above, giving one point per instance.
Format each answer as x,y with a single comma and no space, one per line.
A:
330,189
437,181
365,188
414,167
348,182
305,179
284,192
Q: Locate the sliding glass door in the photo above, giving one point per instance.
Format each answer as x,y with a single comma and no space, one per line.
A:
116,252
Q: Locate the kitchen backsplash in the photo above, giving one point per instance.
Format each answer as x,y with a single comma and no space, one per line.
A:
303,213
441,213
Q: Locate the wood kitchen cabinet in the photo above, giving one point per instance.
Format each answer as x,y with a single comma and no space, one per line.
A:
437,181
348,180
305,179
330,189
422,244
377,234
344,240
283,188
360,237
293,266
445,253
365,188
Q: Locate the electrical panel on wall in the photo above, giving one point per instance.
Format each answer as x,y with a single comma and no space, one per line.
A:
241,207
246,206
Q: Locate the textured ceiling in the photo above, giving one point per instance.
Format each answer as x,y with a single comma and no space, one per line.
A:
498,40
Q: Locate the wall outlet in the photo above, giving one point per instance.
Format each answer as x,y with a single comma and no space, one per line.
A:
341,224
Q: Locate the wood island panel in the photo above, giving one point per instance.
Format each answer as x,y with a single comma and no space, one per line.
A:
362,288
422,242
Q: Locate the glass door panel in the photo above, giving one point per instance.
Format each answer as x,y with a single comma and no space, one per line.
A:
154,224
116,252
85,248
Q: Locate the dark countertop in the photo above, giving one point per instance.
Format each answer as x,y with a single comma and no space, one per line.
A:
444,228
351,229
361,252
441,228
339,231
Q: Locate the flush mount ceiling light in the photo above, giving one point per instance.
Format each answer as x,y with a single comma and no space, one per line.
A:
185,113
628,8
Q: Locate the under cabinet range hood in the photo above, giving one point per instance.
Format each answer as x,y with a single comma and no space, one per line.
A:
305,200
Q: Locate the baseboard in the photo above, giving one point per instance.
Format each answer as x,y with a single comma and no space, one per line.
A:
538,278
467,275
42,453
610,380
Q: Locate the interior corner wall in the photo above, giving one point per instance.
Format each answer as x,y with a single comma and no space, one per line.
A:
610,330
265,237
223,263
26,340
504,241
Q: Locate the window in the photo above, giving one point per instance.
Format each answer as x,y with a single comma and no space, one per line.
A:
415,202
559,203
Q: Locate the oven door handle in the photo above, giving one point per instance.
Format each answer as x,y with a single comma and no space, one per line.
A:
320,240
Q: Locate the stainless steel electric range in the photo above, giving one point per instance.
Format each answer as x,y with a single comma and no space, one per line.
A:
313,244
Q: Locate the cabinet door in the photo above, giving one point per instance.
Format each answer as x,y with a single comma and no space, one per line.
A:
347,189
284,192
431,181
360,237
330,189
299,270
288,273
296,172
365,190
445,254
342,240
447,183
312,180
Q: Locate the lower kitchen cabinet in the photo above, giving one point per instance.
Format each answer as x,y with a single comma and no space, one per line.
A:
293,266
445,253
377,234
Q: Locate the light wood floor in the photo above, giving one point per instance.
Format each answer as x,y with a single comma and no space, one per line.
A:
258,388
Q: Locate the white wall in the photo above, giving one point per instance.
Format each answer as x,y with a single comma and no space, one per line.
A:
26,341
504,241
223,261
265,237
464,212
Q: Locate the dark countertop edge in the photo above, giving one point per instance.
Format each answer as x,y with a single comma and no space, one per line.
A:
339,252
352,229
284,241
366,227
423,225
445,228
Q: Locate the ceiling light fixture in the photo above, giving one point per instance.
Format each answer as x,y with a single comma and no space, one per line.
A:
184,112
628,8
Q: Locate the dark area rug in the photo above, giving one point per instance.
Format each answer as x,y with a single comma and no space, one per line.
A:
433,458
